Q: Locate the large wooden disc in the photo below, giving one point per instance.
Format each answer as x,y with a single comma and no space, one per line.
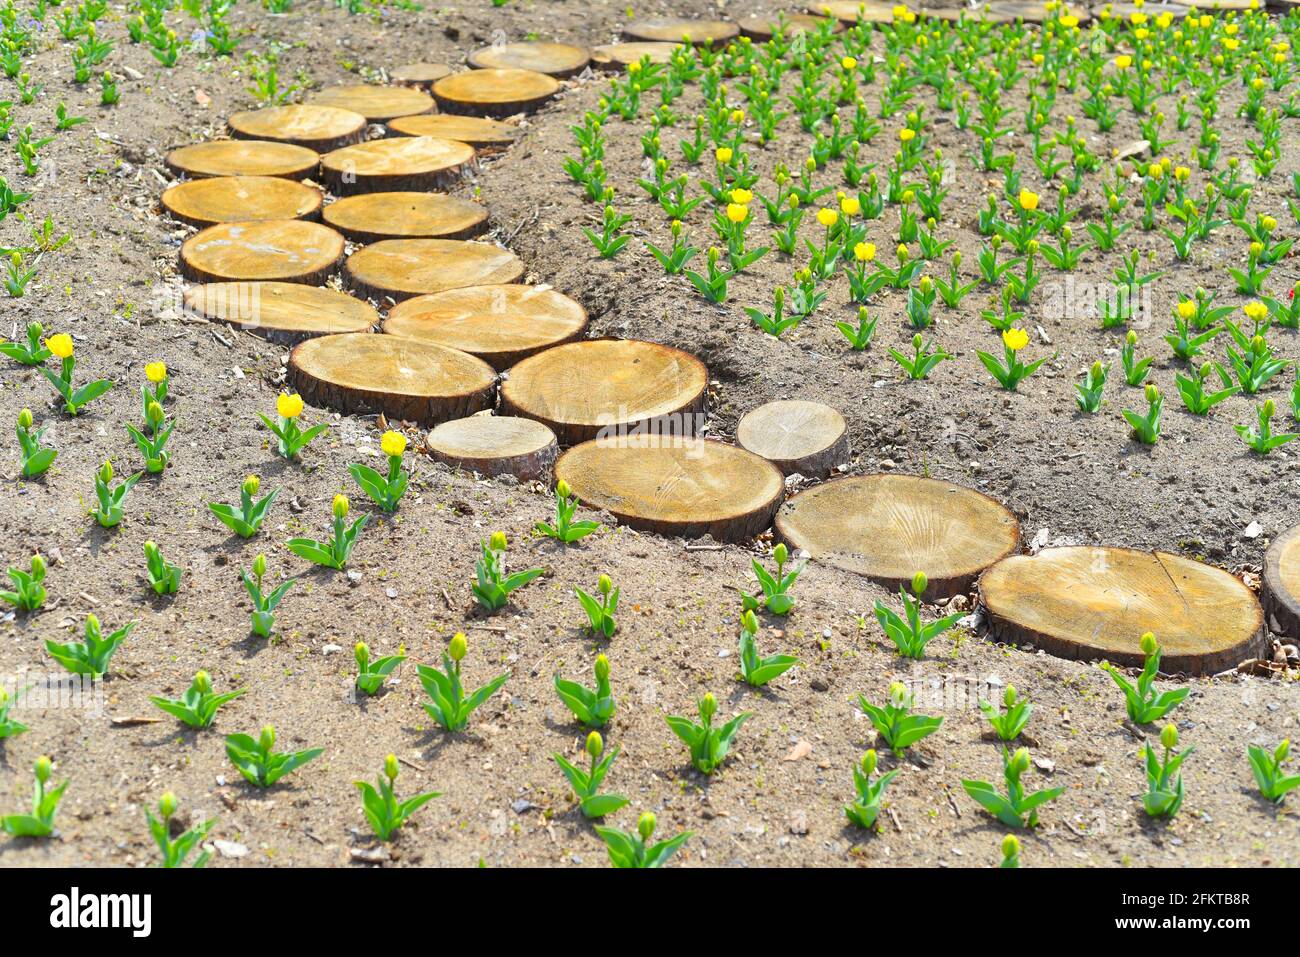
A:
496,445
1123,11
402,268
477,131
378,104
889,527
402,378
316,127
399,163
1212,5
616,56
281,311
501,324
797,436
850,11
370,217
689,487
230,199
1089,602
1280,592
494,92
1034,11
764,28
583,390
553,59
678,30
243,158
420,74
290,250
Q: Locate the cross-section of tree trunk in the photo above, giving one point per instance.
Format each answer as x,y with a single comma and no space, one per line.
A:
1280,592
243,158
370,217
677,29
423,75
494,92
283,312
319,128
553,59
399,163
763,29
798,437
479,132
616,56
402,268
378,104
229,199
288,250
496,445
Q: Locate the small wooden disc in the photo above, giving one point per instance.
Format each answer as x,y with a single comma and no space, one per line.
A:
1280,591
371,217
290,250
850,11
402,378
496,445
689,487
1032,11
1212,5
400,163
230,199
889,527
1086,602
477,131
678,30
764,28
243,158
285,312
616,56
1122,11
420,74
494,92
500,324
378,104
316,127
553,59
402,268
796,436
585,390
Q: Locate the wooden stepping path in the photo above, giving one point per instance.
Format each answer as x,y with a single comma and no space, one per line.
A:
582,388
888,527
402,378
675,486
371,217
677,30
284,312
402,268
478,131
378,104
616,56
401,163
1086,602
423,75
553,59
496,445
1280,591
226,199
288,250
319,128
501,324
494,92
798,437
243,158
764,28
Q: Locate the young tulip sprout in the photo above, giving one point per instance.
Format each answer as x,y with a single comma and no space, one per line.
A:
1007,725
758,671
1164,782
1261,438
385,490
74,400
595,707
708,745
1273,782
600,608
260,765
776,587
32,352
198,707
447,702
1013,371
248,518
10,727
1146,428
866,807
565,528
35,458
372,672
290,439
493,586
908,634
334,551
633,850
28,593
383,810
108,509
152,439
895,723
164,578
176,850
91,656
586,784
1017,808
40,822
1010,852
1141,701
1091,389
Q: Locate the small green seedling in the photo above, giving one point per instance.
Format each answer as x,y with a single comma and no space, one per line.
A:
909,635
371,673
758,671
28,593
164,578
1141,701
565,528
199,705
264,605
630,850
493,585
709,745
40,823
1016,809
1164,784
36,458
1010,852
10,727
383,810
176,850
334,551
248,518
1273,782
1007,725
600,608
866,808
259,764
897,726
448,704
593,707
89,657
586,784
385,490
776,587
108,509
29,353
152,439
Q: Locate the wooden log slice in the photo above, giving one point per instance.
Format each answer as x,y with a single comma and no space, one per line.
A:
1031,11
600,387
378,104
284,312
689,487
1123,11
494,92
1086,602
616,56
501,324
319,128
243,158
371,217
402,268
553,59
796,436
764,28
478,131
888,527
401,163
289,250
423,75
1280,591
850,11
1212,5
402,378
496,445
679,29
229,199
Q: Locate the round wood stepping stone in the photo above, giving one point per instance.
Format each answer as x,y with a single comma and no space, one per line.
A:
587,390
316,127
1087,602
1280,591
1212,5
370,217
377,104
888,527
496,445
1031,11
764,28
286,312
420,74
402,268
289,250
402,378
850,11
501,324
678,30
1123,11
494,92
796,436
243,158
400,163
616,56
553,59
477,131
228,199
688,487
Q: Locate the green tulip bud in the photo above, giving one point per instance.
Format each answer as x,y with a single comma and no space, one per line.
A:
458,646
390,767
267,738
202,682
38,567
645,825
106,472
1009,696
1010,846
252,484
562,489
1169,737
595,745
708,706
1269,408
1020,760
781,554
869,763
25,419
602,668
167,804
340,506
604,585
155,413
497,542
361,652
1148,644
43,766
1152,394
